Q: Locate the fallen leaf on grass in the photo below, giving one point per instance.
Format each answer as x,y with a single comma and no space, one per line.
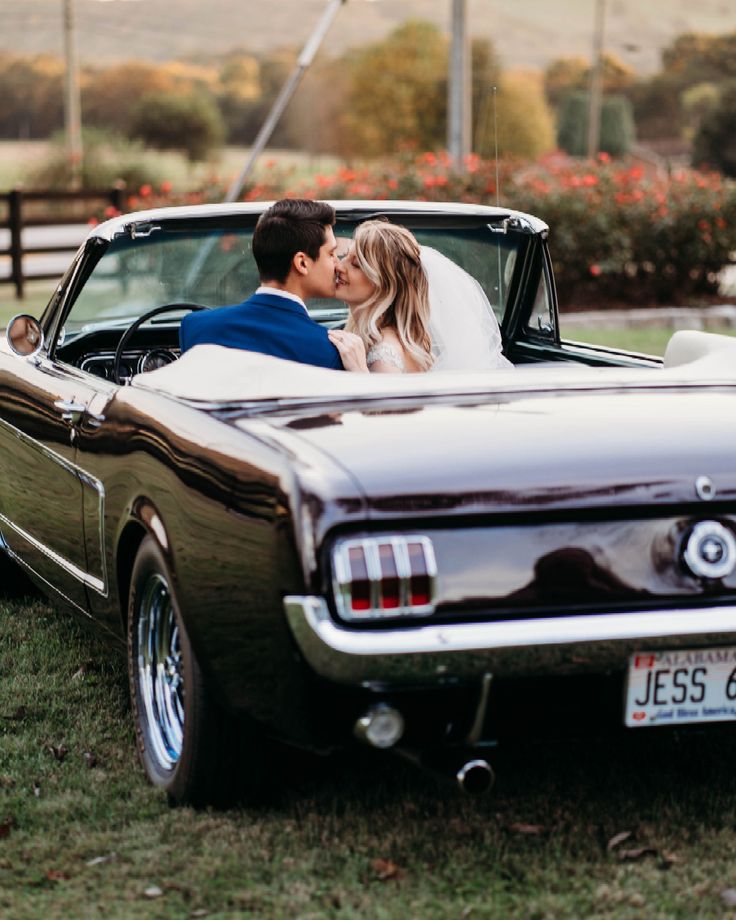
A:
728,896
533,830
56,875
6,827
617,839
99,860
59,752
80,673
637,853
386,870
670,859
199,912
6,782
153,891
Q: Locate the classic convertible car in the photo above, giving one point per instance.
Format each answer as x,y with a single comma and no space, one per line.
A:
432,563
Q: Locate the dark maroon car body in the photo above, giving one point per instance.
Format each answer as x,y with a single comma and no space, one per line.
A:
558,501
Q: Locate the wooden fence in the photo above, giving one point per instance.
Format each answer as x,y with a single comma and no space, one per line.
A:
21,209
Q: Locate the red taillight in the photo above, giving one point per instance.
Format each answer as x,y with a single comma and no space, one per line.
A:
390,582
360,583
420,583
384,576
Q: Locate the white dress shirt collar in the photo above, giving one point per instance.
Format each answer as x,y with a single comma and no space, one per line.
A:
267,289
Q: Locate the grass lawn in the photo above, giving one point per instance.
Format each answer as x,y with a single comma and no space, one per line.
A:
19,160
36,295
83,835
649,340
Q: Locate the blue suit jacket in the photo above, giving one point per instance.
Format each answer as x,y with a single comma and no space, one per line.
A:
265,323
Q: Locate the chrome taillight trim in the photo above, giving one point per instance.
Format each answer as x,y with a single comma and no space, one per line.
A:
399,544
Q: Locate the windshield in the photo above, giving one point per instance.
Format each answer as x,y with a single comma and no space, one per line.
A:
215,267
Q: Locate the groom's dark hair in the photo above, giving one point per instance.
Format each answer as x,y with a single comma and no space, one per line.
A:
289,226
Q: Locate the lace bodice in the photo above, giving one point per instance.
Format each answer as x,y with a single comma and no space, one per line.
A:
382,351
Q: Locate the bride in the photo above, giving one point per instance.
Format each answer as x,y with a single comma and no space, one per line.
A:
411,308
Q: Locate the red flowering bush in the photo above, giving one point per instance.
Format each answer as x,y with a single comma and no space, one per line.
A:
427,177
617,233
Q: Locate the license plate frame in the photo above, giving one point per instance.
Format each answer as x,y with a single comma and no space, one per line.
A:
680,687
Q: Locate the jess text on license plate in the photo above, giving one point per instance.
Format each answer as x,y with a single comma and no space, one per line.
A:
671,688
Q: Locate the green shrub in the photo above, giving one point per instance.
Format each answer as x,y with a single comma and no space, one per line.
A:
108,158
715,141
616,130
173,121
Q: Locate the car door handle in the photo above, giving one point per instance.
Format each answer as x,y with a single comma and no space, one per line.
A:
70,411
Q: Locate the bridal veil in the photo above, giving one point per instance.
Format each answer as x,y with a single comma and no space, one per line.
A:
463,327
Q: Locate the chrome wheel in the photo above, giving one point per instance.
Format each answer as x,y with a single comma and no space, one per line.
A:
160,671
189,746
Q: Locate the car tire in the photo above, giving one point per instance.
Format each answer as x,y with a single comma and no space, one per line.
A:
188,745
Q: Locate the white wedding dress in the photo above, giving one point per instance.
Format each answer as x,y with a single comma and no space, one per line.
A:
462,325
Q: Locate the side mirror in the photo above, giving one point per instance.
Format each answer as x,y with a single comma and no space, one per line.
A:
25,335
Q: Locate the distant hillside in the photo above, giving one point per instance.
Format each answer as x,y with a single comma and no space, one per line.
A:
527,33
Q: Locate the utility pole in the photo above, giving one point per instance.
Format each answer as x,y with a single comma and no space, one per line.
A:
459,97
595,92
72,106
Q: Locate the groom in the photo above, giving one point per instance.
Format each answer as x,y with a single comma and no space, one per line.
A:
295,250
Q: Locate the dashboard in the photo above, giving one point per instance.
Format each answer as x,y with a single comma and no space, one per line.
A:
94,351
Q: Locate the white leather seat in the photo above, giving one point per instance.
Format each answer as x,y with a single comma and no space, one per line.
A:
687,346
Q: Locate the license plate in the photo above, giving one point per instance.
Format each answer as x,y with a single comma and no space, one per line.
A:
676,687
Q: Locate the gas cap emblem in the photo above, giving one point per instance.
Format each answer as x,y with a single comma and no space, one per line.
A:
710,550
704,488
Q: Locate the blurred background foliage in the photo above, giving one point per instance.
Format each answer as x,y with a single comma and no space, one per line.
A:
386,96
652,220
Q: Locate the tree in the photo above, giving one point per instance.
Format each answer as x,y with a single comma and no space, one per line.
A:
397,93
661,107
566,75
693,58
172,121
486,73
110,95
697,102
715,142
524,120
32,94
657,107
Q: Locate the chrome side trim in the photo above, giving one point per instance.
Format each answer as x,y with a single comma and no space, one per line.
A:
52,588
85,478
563,644
86,579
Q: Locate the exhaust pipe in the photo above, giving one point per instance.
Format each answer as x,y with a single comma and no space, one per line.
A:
475,777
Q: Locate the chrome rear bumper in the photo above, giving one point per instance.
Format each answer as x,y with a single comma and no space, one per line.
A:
511,648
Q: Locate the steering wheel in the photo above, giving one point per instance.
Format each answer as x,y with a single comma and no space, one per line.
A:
136,324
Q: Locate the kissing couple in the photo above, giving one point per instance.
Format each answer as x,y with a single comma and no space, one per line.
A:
412,310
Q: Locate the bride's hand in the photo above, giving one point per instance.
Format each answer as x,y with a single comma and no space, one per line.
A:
351,348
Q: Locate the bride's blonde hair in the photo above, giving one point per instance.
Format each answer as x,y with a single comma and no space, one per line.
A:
389,256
